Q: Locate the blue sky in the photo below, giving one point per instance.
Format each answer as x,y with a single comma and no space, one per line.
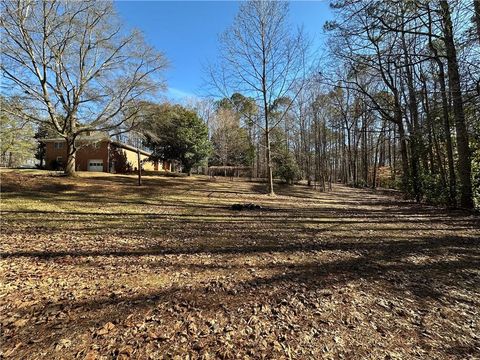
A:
187,32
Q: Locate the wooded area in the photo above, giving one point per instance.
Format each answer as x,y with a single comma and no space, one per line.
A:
329,201
397,104
392,101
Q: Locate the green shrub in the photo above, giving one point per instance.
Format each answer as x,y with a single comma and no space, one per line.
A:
434,190
286,167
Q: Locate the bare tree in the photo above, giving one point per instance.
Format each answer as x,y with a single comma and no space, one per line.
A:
71,65
263,58
403,62
205,108
463,148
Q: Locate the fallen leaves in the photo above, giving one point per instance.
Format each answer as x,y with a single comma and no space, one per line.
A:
63,344
125,352
20,323
91,355
106,329
170,273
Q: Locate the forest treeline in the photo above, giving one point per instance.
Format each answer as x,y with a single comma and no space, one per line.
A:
392,100
394,103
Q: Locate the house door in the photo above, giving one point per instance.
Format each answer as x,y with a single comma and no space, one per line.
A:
95,165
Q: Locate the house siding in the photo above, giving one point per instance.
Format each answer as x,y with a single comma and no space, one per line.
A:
104,150
131,158
97,151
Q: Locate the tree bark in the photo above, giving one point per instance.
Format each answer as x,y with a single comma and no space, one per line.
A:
414,133
71,157
70,169
364,149
269,163
403,151
463,149
476,4
266,112
452,183
139,167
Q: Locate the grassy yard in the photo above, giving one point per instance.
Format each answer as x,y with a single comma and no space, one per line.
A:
98,268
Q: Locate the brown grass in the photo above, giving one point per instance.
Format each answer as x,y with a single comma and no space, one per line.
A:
96,267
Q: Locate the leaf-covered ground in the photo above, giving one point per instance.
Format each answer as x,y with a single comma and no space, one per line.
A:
98,268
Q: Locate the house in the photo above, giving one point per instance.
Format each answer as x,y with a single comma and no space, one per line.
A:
100,153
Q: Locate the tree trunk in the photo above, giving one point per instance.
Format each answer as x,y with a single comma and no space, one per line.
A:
364,150
257,174
375,161
404,153
440,162
71,157
139,167
452,188
476,4
269,162
415,145
448,137
380,140
432,141
394,155
464,163
349,155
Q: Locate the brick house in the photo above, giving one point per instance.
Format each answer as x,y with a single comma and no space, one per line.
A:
100,154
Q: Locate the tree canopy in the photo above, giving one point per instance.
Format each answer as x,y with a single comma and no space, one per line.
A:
16,138
73,65
173,132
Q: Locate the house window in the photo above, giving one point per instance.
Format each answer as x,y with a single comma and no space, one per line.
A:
58,145
59,160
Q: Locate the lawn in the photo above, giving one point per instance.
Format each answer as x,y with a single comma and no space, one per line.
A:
98,268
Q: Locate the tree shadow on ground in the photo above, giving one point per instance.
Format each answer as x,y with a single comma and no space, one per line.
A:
386,263
407,250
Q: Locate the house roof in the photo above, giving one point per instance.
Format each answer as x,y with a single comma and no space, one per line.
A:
91,138
129,147
95,139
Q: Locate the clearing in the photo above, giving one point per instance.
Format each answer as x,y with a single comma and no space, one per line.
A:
98,268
